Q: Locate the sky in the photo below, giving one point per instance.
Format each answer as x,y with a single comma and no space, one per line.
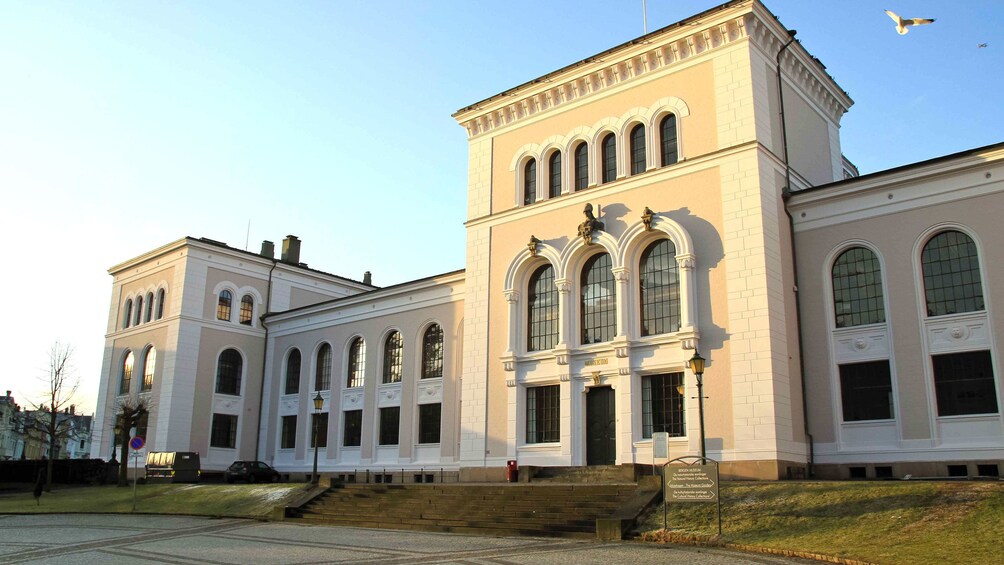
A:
125,126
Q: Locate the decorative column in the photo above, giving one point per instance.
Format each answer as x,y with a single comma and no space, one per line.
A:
622,275
565,310
688,291
509,358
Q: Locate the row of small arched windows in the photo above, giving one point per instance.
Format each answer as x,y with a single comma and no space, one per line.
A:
637,155
393,361
224,308
143,315
951,274
128,368
659,292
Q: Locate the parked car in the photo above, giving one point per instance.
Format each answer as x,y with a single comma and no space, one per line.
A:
252,472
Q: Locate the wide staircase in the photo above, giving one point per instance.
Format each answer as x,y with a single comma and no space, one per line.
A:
549,508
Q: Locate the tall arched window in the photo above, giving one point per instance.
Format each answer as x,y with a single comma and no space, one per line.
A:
857,288
598,301
357,363
667,140
952,281
322,373
432,352
223,306
293,372
228,372
554,175
638,149
542,310
393,351
149,366
127,319
659,279
161,297
139,311
247,309
581,166
608,158
530,182
149,307
125,383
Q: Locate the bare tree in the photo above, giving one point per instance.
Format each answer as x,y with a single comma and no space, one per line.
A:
61,386
129,413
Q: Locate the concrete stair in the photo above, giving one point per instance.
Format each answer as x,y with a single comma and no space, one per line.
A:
596,474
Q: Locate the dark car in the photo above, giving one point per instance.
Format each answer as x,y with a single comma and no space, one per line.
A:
252,472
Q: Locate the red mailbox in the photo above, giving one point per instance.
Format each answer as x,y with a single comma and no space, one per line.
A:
511,471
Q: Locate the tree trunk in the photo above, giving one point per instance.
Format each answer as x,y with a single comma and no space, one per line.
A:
124,460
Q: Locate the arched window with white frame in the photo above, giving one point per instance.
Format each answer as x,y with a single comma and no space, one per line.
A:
581,166
149,367
149,307
857,288
293,363
229,368
530,182
542,310
669,148
322,371
432,352
223,305
951,271
127,318
393,357
554,175
161,298
247,309
125,382
659,289
598,300
637,142
608,158
357,364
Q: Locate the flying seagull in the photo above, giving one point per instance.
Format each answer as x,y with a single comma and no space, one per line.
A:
902,24
982,45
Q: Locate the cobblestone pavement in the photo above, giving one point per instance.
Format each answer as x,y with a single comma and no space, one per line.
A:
111,539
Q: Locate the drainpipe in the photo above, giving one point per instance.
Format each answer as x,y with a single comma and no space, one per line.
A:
785,195
264,359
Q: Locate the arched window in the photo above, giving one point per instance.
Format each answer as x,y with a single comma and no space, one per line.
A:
638,149
149,307
608,149
432,352
660,289
581,166
149,366
247,309
530,182
322,374
952,281
228,372
139,311
128,314
542,310
393,351
857,288
598,300
667,139
554,175
161,296
223,306
357,363
293,372
126,382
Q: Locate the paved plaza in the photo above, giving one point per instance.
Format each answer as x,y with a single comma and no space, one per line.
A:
110,539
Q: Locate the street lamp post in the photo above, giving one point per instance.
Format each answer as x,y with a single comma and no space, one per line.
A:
318,403
696,364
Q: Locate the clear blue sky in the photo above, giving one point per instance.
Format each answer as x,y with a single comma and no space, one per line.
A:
128,125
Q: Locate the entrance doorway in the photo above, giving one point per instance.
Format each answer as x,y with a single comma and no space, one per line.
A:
601,426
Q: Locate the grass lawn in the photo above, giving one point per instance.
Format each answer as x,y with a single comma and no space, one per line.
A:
239,500
889,522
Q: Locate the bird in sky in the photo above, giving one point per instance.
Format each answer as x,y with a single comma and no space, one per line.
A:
982,45
902,24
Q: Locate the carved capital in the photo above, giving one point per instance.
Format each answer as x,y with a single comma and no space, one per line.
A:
511,296
622,274
624,371
686,262
564,377
510,383
563,285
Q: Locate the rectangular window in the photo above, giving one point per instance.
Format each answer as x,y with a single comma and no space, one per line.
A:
319,429
866,391
429,418
353,428
390,425
543,416
662,405
224,432
964,383
288,440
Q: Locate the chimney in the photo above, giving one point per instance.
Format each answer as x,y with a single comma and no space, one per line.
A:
72,409
368,278
267,249
291,250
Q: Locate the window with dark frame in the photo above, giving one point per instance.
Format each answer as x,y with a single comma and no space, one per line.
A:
127,368
224,431
390,425
322,372
288,438
393,352
857,288
554,175
143,425
866,391
149,307
667,139
951,269
608,157
319,429
357,363
429,422
247,309
542,310
139,311
638,163
659,282
223,305
149,366
964,383
581,166
662,405
432,352
228,372
543,414
598,300
353,431
530,182
293,362
127,319
161,297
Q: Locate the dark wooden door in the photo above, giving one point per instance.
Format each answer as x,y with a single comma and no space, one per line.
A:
601,427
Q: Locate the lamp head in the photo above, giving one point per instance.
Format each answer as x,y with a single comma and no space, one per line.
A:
696,363
318,402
